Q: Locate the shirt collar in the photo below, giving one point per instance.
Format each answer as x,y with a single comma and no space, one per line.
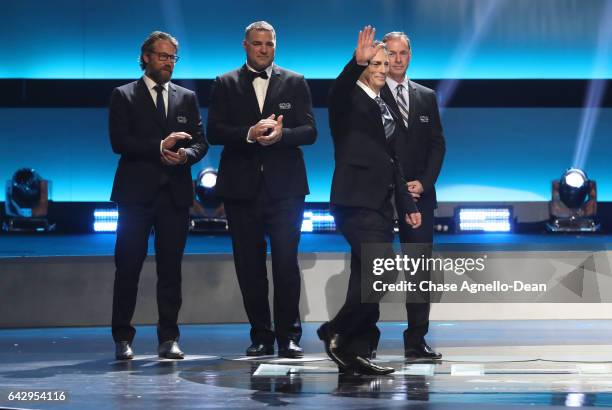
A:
151,84
268,69
393,84
367,90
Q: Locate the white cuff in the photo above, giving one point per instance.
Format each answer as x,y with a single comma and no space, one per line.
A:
247,137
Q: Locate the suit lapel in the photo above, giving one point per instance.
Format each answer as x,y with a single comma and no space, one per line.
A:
246,86
144,96
172,105
412,103
388,98
372,109
271,93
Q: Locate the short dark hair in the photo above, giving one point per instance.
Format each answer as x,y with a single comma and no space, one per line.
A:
259,26
147,46
397,34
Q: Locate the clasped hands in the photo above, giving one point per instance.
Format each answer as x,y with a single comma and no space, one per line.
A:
169,157
267,131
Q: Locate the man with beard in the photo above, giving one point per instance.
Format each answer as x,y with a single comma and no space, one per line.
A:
156,128
262,114
421,151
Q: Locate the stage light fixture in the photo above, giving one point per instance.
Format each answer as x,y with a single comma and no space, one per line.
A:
483,219
207,179
105,220
573,206
318,220
27,203
207,213
573,188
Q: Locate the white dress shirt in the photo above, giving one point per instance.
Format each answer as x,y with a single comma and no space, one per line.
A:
393,87
151,87
371,94
260,85
368,90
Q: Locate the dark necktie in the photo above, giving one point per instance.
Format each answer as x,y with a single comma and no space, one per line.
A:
401,103
387,118
161,107
262,74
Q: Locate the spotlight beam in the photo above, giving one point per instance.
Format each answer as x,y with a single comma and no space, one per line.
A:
590,114
465,50
596,89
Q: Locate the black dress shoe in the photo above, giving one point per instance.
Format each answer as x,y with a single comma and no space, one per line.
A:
332,346
291,350
123,351
363,365
259,349
170,350
421,351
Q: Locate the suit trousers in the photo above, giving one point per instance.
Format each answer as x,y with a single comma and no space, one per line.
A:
249,223
356,320
171,224
417,243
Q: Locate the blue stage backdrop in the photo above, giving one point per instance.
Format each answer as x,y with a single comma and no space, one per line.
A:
498,154
503,154
451,38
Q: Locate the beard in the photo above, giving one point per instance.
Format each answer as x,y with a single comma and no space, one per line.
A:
160,76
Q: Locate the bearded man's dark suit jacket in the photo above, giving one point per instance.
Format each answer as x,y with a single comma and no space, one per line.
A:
421,152
149,195
263,188
366,176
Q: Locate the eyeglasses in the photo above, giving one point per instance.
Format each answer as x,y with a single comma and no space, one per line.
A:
165,56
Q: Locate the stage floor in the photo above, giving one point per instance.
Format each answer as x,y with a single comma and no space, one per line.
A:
488,364
102,244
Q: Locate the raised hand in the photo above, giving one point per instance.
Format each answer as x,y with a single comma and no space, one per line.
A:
365,50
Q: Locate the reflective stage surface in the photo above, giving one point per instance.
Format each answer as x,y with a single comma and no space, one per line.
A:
486,365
